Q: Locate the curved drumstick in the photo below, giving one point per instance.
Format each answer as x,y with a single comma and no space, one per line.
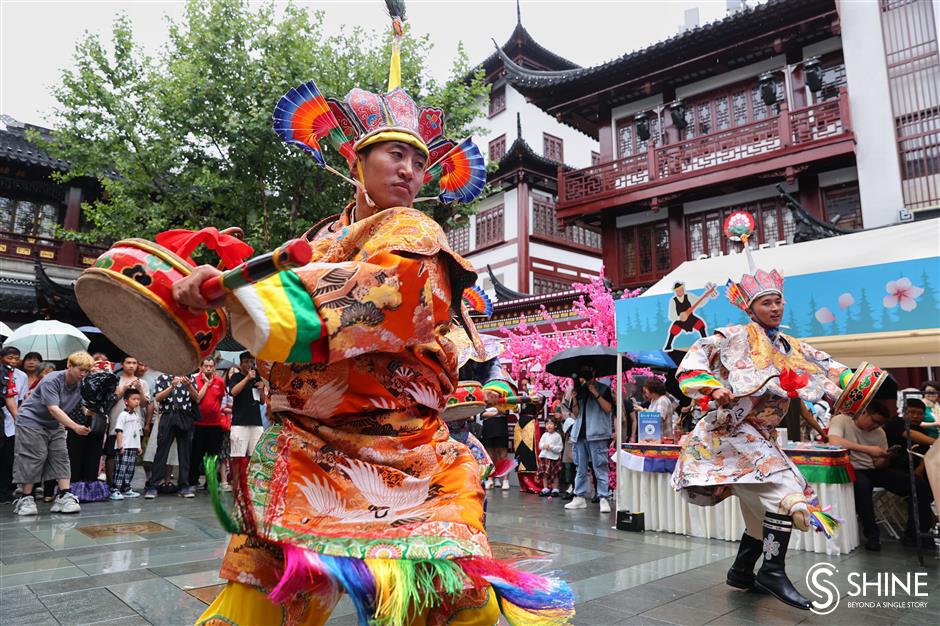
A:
294,253
714,405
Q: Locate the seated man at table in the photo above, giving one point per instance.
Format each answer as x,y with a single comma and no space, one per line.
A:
867,444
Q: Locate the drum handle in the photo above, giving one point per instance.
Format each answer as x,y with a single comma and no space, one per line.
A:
294,253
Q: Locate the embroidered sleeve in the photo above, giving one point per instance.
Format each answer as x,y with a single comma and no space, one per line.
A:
695,373
326,312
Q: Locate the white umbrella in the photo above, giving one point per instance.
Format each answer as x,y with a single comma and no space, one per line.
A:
5,331
52,339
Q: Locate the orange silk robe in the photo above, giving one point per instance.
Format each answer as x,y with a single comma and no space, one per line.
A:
357,461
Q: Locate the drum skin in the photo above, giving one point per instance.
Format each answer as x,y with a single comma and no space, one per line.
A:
128,294
465,402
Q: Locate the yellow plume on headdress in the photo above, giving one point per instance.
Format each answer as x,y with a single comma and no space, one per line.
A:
396,10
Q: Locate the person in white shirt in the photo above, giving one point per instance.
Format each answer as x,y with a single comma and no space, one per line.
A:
127,430
128,379
549,463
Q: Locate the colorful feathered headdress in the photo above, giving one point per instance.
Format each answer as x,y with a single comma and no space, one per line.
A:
739,226
304,117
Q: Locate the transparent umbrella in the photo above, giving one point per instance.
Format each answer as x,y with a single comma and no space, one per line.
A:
52,339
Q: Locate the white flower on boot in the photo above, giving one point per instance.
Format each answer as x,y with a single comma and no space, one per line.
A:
771,546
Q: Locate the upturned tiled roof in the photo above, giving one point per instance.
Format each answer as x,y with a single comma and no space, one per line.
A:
16,147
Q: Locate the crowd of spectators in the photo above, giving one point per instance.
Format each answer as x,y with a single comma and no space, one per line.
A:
78,434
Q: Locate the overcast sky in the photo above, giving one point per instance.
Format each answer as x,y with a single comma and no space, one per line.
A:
39,36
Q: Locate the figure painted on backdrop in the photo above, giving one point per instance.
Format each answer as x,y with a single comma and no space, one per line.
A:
682,312
747,371
357,486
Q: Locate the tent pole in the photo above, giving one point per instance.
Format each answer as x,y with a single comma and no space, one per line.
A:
619,429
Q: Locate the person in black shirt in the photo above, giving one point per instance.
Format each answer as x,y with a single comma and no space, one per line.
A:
248,393
914,409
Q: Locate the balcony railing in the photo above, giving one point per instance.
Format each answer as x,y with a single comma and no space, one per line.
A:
691,157
49,250
545,223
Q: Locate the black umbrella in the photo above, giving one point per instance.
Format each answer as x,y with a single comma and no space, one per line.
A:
570,361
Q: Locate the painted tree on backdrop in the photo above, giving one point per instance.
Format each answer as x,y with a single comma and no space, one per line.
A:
185,139
529,349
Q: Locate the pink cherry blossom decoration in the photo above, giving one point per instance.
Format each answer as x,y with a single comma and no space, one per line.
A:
825,316
846,300
902,292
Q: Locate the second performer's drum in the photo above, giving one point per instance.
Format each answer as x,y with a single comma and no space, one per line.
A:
465,402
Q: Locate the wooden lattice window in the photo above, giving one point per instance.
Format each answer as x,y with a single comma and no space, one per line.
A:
459,239
843,206
705,230
544,284
645,251
490,226
628,138
28,218
553,148
497,100
729,107
497,148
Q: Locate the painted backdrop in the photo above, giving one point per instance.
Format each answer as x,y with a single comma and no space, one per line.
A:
873,298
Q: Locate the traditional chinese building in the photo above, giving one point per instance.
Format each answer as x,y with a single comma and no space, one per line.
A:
36,267
815,116
515,232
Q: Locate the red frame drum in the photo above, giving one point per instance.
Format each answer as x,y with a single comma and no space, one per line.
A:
128,291
465,402
860,389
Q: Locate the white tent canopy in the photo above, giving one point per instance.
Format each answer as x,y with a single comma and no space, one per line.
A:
914,240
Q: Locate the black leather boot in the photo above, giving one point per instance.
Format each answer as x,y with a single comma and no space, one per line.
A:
741,574
772,576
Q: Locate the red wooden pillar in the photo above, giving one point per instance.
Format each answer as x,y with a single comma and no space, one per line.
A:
810,196
611,250
678,249
522,223
605,138
73,209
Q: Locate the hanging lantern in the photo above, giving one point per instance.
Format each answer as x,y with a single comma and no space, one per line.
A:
812,70
642,126
768,88
677,110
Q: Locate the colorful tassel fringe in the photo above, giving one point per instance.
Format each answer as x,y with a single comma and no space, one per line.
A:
393,592
211,466
824,521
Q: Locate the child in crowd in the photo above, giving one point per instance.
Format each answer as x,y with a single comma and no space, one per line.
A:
549,464
127,446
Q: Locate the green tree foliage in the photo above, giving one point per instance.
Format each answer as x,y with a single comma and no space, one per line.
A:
185,139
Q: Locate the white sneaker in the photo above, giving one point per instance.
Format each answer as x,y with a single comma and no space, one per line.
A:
605,505
117,495
489,483
506,484
66,503
25,505
577,502
226,487
130,493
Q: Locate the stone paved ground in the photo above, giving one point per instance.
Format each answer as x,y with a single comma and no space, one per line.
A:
51,572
